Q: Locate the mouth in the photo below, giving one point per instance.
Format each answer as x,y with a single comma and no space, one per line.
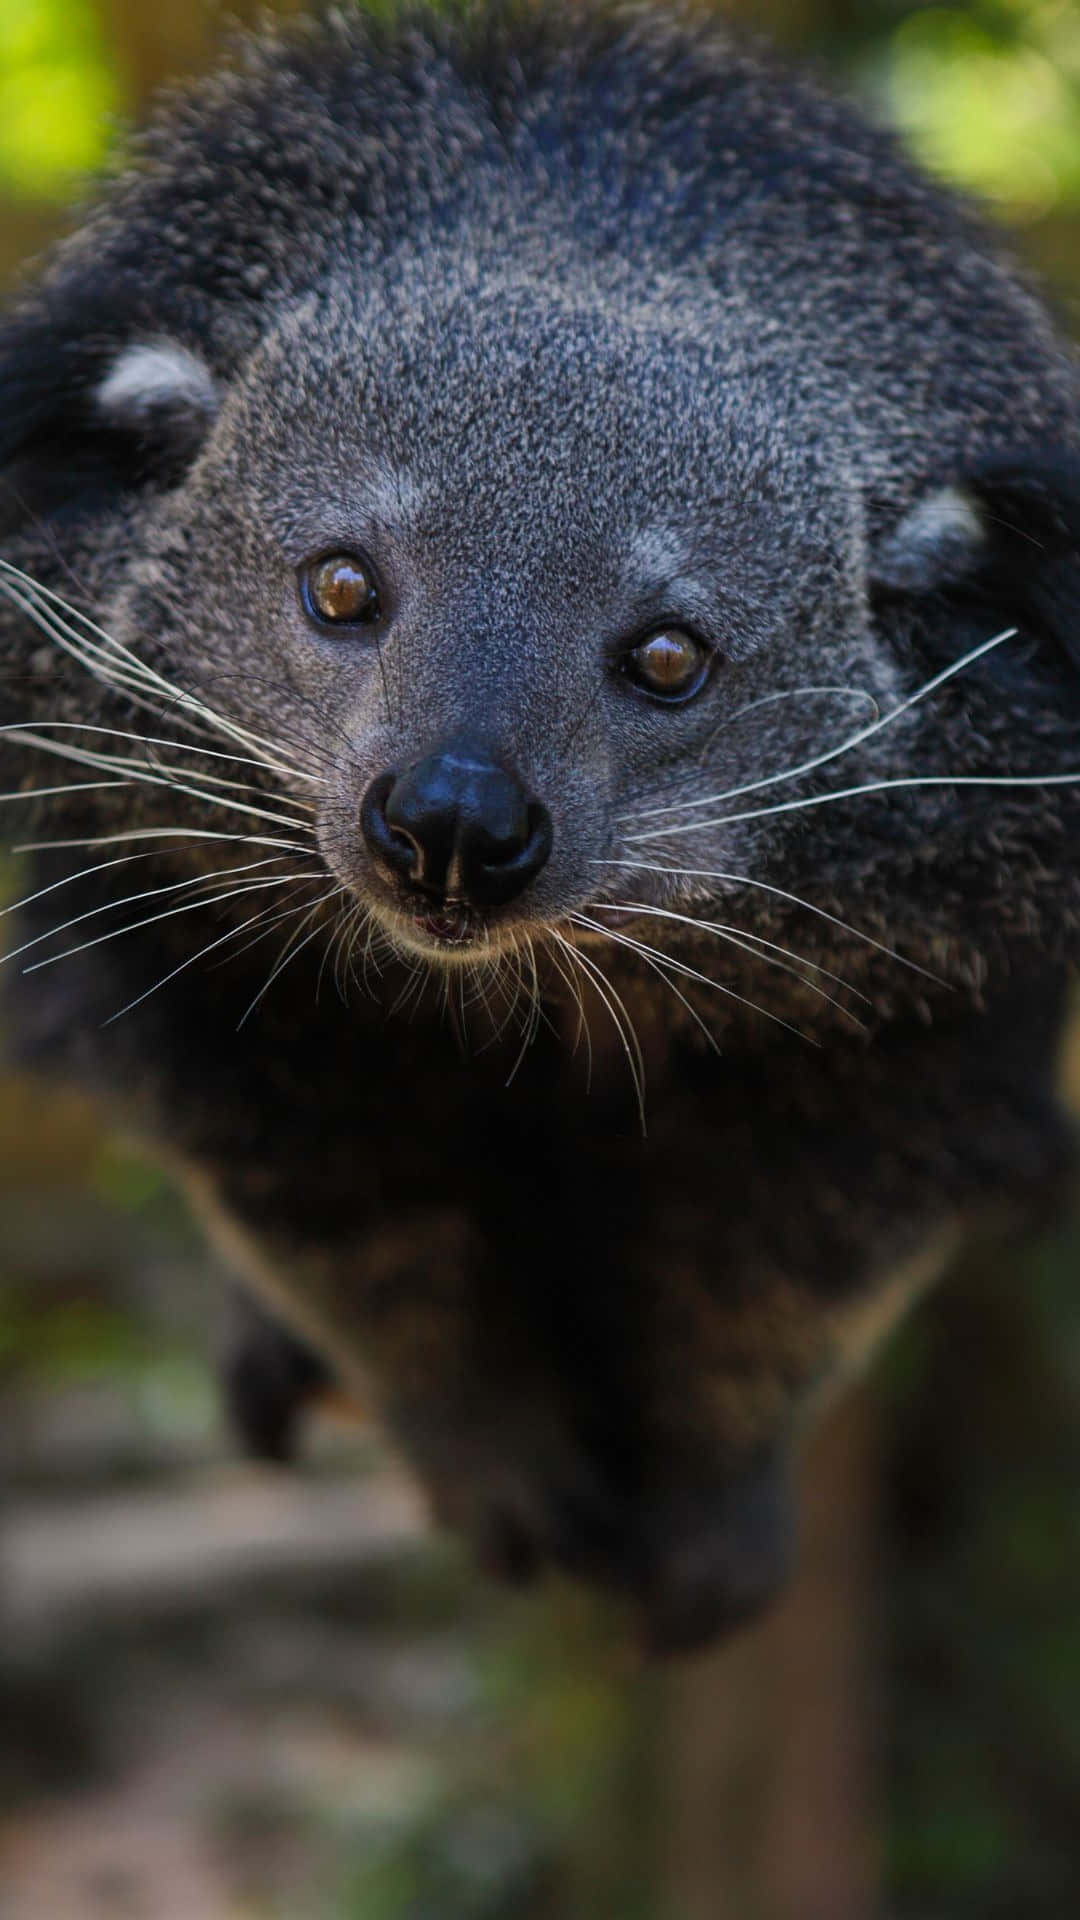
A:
452,925
452,930
446,930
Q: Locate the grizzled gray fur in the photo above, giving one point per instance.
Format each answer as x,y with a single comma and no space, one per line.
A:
532,495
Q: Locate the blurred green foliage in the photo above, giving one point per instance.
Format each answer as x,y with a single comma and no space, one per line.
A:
988,95
58,91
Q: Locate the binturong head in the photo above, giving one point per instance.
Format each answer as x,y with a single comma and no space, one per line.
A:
597,596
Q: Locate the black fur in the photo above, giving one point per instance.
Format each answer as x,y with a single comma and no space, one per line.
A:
579,328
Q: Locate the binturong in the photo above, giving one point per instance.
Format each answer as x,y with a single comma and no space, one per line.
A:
540,666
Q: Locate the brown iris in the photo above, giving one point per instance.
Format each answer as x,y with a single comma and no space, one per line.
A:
671,664
340,589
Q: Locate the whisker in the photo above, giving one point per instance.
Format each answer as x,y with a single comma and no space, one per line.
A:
870,786
187,906
109,659
69,786
335,951
790,693
69,879
160,833
367,926
413,988
531,1024
491,981
161,740
781,893
846,746
627,1033
574,986
130,899
292,952
740,937
266,921
232,933
659,967
687,972
142,688
150,774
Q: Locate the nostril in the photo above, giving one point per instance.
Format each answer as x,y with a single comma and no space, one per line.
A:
517,842
389,844
495,872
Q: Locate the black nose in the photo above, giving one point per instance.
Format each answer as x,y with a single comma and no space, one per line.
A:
456,826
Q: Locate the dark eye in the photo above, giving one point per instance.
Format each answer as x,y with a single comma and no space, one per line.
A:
340,590
671,665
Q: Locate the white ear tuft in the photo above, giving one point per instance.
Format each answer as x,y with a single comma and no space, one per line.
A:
938,540
154,378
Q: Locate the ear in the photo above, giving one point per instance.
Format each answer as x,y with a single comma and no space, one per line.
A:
86,416
1002,541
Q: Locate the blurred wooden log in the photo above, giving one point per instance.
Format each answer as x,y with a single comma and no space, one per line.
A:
167,1551
768,1774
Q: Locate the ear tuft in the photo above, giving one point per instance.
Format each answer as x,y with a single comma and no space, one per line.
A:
939,540
1001,546
81,421
153,381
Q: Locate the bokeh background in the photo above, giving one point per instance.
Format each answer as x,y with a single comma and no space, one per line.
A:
229,1691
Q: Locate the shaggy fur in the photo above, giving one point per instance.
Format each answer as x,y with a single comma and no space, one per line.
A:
579,325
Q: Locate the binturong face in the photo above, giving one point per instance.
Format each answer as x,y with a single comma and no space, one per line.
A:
537,615
579,614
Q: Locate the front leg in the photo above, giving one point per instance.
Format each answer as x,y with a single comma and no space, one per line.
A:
269,1379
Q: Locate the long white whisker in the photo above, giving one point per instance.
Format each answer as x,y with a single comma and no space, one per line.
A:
232,933
69,786
335,948
160,740
110,662
160,833
627,1033
266,922
118,665
150,774
687,972
788,693
367,926
170,913
574,985
292,951
130,900
532,1018
870,786
740,937
413,990
659,967
494,980
353,922
795,899
846,746
69,879
142,688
